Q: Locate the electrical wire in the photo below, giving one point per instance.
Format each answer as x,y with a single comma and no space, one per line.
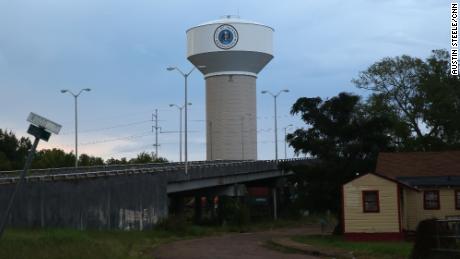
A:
108,128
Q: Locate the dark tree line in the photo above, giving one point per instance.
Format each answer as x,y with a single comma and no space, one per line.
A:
13,152
413,105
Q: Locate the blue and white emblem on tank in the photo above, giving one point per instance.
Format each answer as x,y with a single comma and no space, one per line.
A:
225,36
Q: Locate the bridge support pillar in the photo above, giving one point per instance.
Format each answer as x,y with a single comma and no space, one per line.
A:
275,204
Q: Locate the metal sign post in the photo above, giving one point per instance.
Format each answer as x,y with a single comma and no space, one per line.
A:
40,128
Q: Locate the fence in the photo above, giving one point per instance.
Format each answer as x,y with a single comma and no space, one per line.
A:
447,238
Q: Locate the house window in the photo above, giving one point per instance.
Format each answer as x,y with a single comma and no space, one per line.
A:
371,201
431,200
457,199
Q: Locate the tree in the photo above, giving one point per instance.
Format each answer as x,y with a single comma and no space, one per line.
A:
344,136
114,161
421,96
145,157
86,160
5,163
441,106
53,158
340,128
13,151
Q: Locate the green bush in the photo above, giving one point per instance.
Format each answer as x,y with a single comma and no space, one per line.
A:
174,224
235,212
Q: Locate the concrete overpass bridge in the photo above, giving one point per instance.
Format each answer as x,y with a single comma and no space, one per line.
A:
126,196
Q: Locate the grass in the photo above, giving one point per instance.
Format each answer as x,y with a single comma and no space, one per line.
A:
73,244
370,250
66,243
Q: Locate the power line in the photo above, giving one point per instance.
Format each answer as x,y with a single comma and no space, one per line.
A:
117,139
113,116
109,127
257,117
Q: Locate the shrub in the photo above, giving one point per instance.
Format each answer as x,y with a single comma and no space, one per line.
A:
235,212
175,224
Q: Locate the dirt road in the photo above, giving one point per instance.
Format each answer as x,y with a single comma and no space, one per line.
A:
232,246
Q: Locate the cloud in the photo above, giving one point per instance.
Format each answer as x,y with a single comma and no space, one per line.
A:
120,49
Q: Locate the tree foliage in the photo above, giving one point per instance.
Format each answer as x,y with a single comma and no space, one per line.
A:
145,157
339,128
53,158
440,92
414,105
86,160
420,95
13,152
344,137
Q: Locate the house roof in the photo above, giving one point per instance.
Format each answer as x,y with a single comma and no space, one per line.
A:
418,164
431,181
396,181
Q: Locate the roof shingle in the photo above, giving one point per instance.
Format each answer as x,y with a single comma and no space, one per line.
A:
413,164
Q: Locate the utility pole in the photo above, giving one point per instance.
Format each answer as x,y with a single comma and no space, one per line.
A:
155,128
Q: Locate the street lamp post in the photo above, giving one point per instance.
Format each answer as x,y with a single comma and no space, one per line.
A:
180,127
276,119
185,75
76,119
285,140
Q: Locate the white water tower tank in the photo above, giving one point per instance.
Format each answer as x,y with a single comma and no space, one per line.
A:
230,52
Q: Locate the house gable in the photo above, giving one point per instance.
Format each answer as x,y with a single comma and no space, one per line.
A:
386,220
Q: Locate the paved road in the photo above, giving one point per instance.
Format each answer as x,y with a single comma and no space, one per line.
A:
231,246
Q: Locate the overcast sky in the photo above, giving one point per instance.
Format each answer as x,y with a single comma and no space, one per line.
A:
120,50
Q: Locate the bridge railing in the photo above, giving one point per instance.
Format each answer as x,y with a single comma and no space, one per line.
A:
175,171
86,169
226,169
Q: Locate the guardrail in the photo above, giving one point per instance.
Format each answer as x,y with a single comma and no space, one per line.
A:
106,167
197,170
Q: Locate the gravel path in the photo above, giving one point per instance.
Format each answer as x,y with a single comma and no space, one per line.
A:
232,246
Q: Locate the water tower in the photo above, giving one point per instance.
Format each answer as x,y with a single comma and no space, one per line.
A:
230,52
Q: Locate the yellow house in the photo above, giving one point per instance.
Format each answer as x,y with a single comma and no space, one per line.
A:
405,189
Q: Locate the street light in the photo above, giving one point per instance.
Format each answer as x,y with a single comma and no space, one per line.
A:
180,127
276,121
76,119
285,140
185,75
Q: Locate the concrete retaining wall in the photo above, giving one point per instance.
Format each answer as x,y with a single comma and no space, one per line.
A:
114,202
